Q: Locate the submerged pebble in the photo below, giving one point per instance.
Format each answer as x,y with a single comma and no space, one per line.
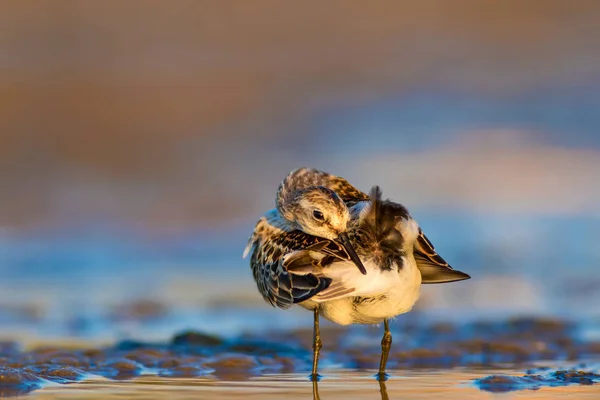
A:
15,382
507,383
191,338
574,376
57,373
120,368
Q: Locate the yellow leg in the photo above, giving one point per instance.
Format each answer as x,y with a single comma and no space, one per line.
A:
316,347
386,343
383,391
316,390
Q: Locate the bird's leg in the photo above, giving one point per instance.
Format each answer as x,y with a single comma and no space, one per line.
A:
383,391
315,384
386,343
316,347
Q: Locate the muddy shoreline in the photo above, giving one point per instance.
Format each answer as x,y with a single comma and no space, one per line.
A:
519,344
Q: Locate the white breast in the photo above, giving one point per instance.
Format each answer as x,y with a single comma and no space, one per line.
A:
380,294
399,297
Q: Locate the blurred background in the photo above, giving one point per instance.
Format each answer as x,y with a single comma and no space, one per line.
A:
141,141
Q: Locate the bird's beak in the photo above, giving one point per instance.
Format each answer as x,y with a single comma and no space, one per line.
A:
344,240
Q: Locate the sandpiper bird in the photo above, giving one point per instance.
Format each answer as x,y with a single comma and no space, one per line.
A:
349,256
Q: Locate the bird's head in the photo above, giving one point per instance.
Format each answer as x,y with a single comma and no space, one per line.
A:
320,212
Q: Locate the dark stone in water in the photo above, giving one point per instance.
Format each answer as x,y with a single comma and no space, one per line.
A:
288,364
506,383
230,362
169,362
72,361
192,338
574,376
53,355
93,353
234,366
14,382
147,357
123,365
57,373
120,368
131,345
257,347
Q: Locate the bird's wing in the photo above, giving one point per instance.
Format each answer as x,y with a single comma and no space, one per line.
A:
271,245
434,269
317,260
328,259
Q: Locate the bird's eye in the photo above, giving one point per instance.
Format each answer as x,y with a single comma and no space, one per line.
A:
318,215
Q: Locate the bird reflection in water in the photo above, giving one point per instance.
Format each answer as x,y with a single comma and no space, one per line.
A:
382,390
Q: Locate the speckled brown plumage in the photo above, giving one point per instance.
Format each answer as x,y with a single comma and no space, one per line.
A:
279,284
286,261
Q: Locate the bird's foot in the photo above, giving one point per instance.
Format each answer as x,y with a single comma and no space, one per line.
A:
381,376
314,377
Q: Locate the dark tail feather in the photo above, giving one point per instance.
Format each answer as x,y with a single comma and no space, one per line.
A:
435,273
434,269
382,220
374,218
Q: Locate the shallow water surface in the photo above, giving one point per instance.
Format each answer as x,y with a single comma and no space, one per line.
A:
531,356
341,384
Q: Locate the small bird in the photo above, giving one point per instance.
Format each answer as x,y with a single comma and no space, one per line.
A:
306,251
